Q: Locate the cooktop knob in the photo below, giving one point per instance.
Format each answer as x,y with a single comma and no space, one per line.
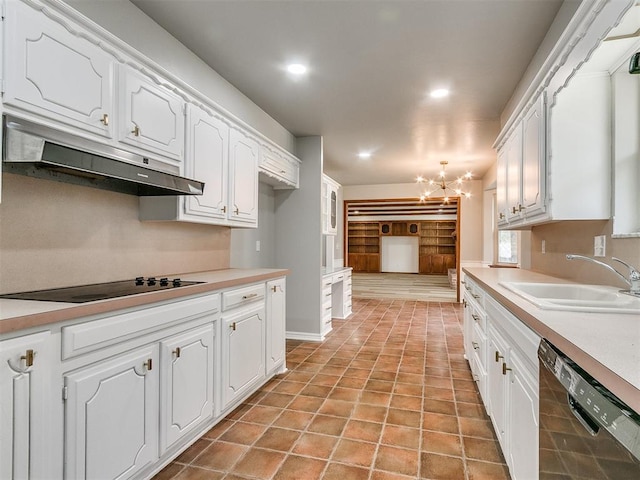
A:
151,281
139,280
177,282
164,282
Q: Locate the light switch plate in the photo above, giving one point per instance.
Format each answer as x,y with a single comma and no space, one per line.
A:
599,246
257,245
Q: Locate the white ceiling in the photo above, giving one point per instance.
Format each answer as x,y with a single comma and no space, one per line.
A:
371,66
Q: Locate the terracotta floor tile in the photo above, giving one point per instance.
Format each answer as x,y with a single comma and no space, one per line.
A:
403,417
487,471
467,396
193,451
460,384
472,410
400,436
327,425
243,433
439,406
441,467
376,398
315,445
438,442
439,423
408,389
397,460
324,380
347,394
354,453
297,468
439,393
474,427
439,382
301,377
337,408
273,399
278,439
337,471
169,472
288,387
293,419
481,449
370,413
321,391
383,375
219,456
259,463
406,402
218,429
380,475
306,404
361,430
195,473
357,372
379,386
262,414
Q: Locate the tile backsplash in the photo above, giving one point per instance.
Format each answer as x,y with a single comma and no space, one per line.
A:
577,237
55,234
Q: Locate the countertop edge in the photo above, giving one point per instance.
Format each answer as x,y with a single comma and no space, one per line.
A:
621,387
73,311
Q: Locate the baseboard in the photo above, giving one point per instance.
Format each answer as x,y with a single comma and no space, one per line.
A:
304,336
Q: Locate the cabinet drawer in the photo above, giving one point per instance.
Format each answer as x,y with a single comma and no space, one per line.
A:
479,343
98,332
242,296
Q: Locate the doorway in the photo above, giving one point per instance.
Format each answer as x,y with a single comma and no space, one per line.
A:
404,236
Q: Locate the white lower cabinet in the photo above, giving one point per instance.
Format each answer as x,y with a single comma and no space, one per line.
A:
243,352
276,305
24,415
111,416
502,354
186,383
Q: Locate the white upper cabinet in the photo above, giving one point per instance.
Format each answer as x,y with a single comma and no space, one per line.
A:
514,173
151,117
57,74
244,152
329,205
278,169
207,160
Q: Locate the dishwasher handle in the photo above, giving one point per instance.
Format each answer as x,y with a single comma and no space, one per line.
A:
582,416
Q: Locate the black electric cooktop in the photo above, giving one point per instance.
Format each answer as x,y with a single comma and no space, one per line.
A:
101,291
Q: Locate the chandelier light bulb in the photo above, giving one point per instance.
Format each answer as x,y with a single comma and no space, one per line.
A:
420,179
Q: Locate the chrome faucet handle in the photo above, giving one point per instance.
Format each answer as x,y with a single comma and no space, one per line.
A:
634,274
634,277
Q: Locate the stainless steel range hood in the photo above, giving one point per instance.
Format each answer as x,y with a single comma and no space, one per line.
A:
37,151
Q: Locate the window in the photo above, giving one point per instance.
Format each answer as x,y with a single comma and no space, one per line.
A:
507,247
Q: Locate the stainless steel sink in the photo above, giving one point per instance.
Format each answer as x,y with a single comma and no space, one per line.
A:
575,297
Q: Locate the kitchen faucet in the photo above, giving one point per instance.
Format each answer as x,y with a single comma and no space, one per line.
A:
634,275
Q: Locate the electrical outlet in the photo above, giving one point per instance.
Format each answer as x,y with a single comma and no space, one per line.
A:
599,246
543,246
257,245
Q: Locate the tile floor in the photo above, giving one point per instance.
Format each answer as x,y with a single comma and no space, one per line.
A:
388,395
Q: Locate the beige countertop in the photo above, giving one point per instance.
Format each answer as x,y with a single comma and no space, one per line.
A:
22,314
606,345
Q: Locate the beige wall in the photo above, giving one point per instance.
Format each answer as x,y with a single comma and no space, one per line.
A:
470,211
577,237
54,234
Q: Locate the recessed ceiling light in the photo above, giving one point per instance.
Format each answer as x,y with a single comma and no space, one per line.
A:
297,68
439,93
364,155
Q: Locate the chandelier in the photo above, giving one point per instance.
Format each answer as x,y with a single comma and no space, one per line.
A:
443,188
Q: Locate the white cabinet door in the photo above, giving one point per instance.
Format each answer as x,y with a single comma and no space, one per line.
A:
496,385
533,159
111,418
501,186
514,177
243,351
276,325
244,154
187,378
207,157
329,212
24,399
523,421
56,74
151,117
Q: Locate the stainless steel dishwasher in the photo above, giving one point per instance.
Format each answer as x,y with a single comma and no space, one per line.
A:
586,432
